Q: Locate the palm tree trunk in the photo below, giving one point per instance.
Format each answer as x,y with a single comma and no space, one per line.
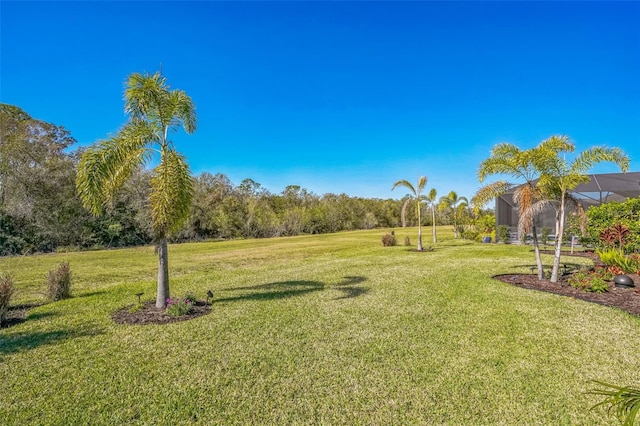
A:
558,248
403,214
536,249
433,224
163,274
419,228
455,224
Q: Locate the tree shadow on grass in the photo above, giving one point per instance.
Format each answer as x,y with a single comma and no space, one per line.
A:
17,314
565,267
274,291
287,289
348,287
25,341
91,293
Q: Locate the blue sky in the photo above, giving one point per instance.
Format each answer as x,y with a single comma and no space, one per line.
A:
340,97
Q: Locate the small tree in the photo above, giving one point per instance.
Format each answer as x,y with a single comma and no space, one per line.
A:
558,177
451,202
153,110
509,160
431,202
416,193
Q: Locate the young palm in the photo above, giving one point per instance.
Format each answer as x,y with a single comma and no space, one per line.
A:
558,177
153,110
431,202
507,159
452,201
416,193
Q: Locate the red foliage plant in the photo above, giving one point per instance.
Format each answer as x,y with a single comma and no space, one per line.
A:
615,236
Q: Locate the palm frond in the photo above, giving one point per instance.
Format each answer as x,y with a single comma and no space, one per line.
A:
145,95
491,191
106,166
407,185
623,400
171,193
599,154
184,110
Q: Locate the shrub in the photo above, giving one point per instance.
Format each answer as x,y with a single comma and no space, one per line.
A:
59,282
619,262
389,240
6,291
595,281
615,236
503,233
545,233
470,234
613,213
179,306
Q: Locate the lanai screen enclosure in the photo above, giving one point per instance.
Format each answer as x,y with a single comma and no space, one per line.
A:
601,188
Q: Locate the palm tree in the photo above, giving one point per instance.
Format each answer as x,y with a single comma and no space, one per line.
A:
451,201
416,193
507,159
431,202
153,110
558,177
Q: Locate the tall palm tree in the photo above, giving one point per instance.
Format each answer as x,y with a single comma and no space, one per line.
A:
507,159
431,202
452,201
416,193
153,110
558,177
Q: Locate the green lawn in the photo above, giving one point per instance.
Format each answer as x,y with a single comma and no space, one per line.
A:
331,329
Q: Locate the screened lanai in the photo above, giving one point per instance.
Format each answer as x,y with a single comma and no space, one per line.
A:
601,188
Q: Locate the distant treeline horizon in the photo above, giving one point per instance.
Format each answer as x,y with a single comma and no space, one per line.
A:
40,210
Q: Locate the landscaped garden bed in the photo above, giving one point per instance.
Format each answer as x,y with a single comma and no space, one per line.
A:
627,299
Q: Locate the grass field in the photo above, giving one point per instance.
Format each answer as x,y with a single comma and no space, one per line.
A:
330,329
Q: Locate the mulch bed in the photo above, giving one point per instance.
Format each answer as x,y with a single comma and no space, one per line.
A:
149,314
626,299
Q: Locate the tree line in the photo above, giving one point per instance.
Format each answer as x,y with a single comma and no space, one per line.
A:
41,211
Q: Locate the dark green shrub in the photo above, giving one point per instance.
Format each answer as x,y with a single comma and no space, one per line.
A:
503,233
59,282
609,214
389,240
545,232
6,291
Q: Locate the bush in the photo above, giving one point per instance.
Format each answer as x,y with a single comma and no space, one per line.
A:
389,240
59,282
6,291
595,280
545,233
470,234
503,233
180,306
611,214
615,259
